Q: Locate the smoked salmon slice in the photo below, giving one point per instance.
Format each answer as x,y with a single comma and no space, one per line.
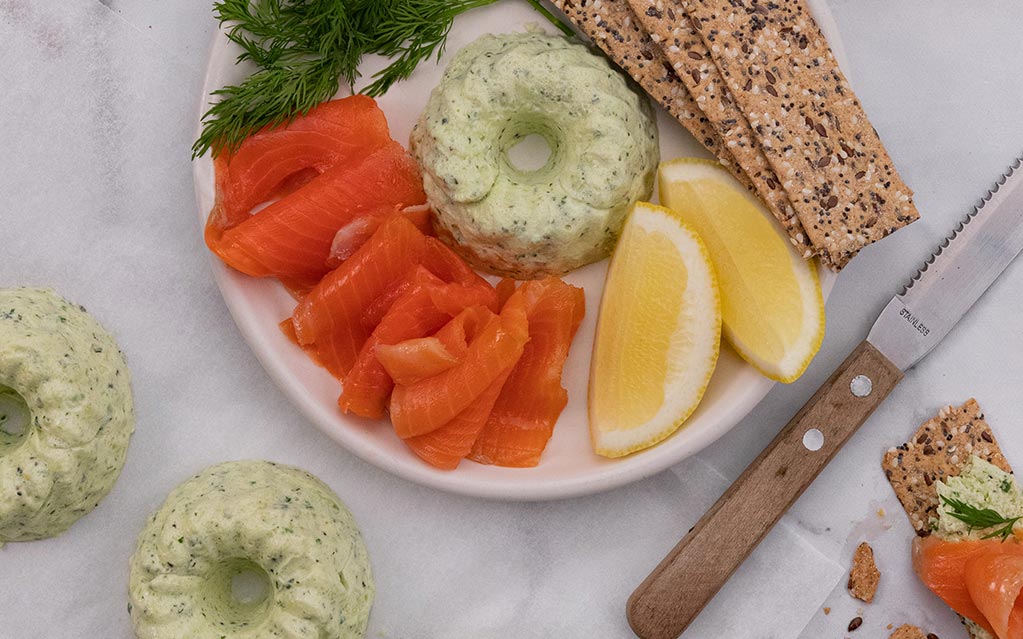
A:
351,236
426,307
505,289
425,406
278,160
528,406
291,238
413,360
328,322
445,447
355,234
981,580
994,579
439,260
447,265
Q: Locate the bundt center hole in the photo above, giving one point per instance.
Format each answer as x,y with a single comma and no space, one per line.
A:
530,154
250,587
15,420
239,593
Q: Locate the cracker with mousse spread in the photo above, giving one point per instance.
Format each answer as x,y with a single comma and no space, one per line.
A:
938,450
782,74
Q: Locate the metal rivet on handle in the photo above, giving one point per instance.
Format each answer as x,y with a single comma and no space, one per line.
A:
861,386
813,439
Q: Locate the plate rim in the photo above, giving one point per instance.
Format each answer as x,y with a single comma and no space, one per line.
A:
518,487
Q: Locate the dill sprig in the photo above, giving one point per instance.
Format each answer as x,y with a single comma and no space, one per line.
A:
305,48
981,518
409,32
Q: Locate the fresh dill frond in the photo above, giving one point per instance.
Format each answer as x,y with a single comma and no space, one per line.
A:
410,32
305,48
981,518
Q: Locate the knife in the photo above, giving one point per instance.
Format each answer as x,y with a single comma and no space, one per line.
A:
909,327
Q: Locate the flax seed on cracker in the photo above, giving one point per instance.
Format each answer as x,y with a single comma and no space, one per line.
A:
684,49
782,74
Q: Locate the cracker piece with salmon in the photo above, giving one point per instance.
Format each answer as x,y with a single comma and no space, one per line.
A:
942,448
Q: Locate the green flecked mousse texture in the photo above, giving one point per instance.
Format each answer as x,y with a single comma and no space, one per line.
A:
982,485
65,382
520,223
276,523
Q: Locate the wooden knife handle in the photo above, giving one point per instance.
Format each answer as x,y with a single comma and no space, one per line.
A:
682,584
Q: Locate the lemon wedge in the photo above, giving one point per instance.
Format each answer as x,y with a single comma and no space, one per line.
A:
772,307
658,333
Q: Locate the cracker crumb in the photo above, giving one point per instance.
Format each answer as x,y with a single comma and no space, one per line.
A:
864,576
906,631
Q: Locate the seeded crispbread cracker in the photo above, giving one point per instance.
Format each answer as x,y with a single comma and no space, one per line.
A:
906,631
937,451
781,72
864,576
613,27
669,26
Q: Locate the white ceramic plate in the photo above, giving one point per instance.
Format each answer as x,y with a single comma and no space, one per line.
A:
569,466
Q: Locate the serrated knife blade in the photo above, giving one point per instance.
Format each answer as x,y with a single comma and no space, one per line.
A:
912,324
956,275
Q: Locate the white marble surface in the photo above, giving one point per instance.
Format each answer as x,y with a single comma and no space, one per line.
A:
98,100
